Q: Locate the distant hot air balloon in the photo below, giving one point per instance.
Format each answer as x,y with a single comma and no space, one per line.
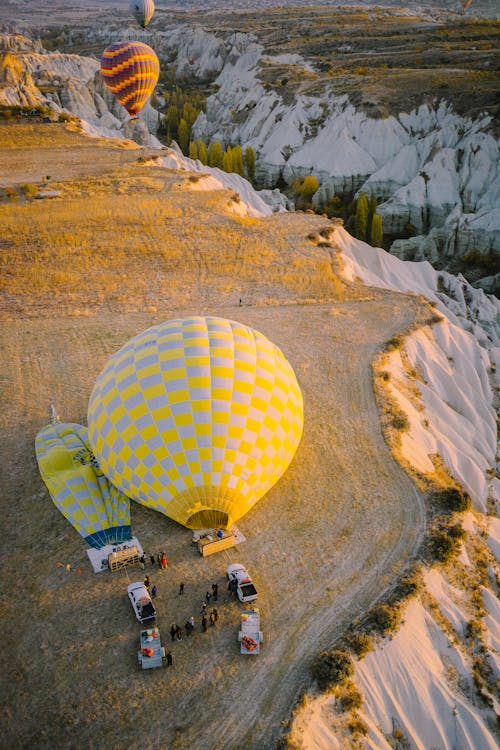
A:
78,487
196,418
465,4
142,10
130,70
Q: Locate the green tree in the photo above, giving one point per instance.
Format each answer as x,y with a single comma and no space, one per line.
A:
372,208
202,152
227,160
183,131
189,113
250,163
361,217
215,154
376,232
238,160
309,186
171,122
193,150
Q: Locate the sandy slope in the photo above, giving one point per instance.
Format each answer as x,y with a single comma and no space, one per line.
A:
321,546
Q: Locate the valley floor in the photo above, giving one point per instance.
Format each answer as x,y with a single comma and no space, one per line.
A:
321,546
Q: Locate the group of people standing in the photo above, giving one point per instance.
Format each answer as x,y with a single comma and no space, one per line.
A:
161,559
207,617
176,632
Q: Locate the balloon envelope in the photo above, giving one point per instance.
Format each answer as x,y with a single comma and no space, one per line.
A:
130,70
196,418
142,10
78,487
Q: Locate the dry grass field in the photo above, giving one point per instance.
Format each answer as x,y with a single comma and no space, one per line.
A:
123,247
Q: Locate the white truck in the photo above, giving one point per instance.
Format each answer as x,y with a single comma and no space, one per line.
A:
241,583
141,602
250,636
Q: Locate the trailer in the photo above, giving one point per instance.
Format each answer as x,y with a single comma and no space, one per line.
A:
250,635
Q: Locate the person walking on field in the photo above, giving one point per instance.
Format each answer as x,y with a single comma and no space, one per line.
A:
152,558
203,610
147,582
181,589
153,592
163,561
173,631
204,624
215,591
207,597
169,659
212,618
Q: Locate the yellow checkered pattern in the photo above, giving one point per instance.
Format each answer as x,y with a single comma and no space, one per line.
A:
78,487
196,418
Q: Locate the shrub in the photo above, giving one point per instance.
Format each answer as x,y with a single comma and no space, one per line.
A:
443,545
452,499
351,698
385,618
396,342
357,726
360,643
28,189
332,668
400,422
408,585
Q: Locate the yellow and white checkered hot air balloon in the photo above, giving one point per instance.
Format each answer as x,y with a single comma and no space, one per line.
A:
196,418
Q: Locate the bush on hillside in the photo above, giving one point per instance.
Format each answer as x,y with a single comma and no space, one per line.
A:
332,668
444,544
360,643
452,499
28,189
385,618
350,697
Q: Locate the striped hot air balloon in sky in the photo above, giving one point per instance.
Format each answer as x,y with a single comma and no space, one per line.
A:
196,418
130,71
142,10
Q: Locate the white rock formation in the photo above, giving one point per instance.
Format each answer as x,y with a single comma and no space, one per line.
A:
71,83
